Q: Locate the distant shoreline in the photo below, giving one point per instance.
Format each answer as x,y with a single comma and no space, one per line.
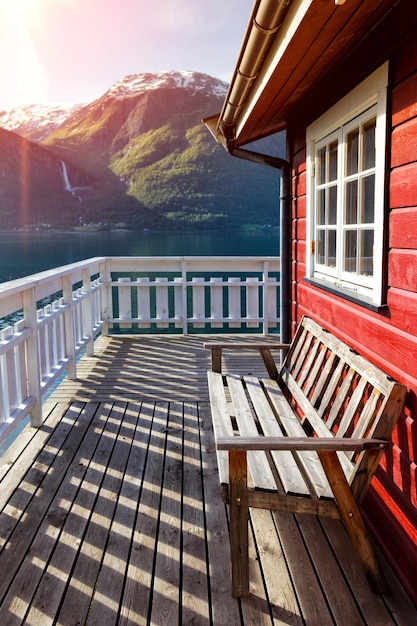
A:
90,230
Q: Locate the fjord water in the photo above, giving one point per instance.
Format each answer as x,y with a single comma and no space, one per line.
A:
22,253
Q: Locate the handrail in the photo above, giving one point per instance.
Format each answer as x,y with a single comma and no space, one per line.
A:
48,319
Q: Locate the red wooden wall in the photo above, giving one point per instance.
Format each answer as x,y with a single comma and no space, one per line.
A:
387,338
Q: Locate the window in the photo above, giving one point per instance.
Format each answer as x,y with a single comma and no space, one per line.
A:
345,192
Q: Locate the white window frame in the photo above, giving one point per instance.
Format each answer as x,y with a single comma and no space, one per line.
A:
368,99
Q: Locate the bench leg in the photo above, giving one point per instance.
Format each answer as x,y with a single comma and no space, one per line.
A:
350,514
239,512
216,360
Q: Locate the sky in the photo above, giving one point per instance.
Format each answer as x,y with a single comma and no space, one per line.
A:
75,50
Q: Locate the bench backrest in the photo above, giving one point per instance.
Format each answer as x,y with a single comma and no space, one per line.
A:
336,391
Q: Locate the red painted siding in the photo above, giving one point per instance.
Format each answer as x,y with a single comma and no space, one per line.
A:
403,227
403,186
387,337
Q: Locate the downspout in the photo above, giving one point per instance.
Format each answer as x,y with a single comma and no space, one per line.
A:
285,230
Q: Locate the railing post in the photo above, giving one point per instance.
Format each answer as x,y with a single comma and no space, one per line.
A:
179,289
184,297
265,297
69,327
88,311
32,354
105,297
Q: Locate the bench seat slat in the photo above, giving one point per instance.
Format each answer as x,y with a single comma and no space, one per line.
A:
309,460
286,465
258,464
221,421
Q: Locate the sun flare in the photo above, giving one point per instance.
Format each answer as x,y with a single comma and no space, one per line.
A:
28,75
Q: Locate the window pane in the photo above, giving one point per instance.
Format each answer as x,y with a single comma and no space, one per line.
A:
350,250
332,205
333,161
321,207
322,165
368,191
352,152
351,210
321,247
369,144
367,257
332,248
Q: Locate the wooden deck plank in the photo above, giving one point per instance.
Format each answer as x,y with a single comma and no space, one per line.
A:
195,590
111,513
167,581
137,594
224,610
285,609
152,367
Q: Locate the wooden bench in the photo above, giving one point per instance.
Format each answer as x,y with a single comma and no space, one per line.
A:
306,440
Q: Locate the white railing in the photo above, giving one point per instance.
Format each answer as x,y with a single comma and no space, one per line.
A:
49,318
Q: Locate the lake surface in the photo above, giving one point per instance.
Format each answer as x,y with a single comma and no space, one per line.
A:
22,254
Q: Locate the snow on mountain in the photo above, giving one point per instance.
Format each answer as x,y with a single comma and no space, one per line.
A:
35,121
134,84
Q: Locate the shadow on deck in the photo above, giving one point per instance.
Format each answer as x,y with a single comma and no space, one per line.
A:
111,512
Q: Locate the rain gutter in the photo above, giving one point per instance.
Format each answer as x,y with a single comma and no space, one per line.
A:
265,21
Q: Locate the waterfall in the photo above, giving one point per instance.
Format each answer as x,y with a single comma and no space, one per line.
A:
67,184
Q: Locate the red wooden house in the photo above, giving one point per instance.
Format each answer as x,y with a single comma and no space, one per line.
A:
340,77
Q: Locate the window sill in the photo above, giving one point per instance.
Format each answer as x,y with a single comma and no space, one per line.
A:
346,294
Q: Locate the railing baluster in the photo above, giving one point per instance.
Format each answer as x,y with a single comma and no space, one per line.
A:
252,301
19,352
144,301
161,297
88,311
198,301
32,356
272,304
216,301
125,301
234,301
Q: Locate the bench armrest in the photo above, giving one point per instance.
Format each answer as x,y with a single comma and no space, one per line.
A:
263,347
246,346
341,444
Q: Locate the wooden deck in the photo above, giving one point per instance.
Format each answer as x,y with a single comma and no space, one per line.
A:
111,512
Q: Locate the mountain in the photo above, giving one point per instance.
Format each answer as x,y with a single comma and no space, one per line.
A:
139,155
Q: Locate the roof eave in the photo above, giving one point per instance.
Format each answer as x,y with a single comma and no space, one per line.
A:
291,47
